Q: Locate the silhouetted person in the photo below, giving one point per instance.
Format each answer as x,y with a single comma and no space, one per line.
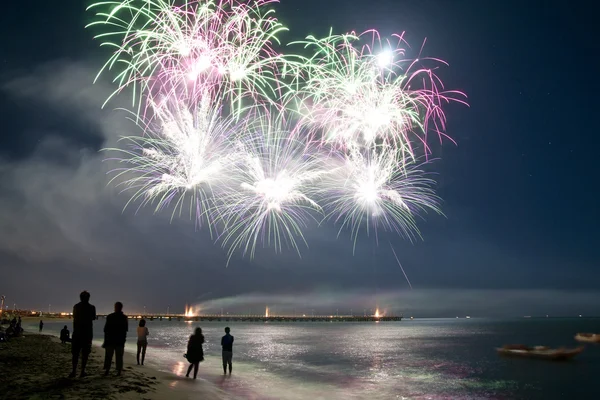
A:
195,353
142,340
84,315
13,329
41,325
227,344
65,335
115,333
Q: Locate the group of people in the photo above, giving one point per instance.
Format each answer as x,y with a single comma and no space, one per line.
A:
195,352
14,329
115,334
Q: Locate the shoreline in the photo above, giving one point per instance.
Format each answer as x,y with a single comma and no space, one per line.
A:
37,366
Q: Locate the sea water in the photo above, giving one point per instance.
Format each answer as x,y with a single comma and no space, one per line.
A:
411,359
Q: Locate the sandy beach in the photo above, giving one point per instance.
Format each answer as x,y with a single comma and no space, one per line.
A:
36,366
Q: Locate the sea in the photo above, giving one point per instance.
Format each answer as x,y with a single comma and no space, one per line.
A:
410,359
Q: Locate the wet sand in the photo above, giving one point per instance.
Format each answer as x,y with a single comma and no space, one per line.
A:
37,367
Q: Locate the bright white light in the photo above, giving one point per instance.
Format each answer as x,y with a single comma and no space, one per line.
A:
276,191
183,49
202,64
237,73
351,87
385,59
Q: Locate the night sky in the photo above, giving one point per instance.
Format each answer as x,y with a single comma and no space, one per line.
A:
520,189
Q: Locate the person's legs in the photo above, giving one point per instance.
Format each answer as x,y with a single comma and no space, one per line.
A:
189,370
108,355
139,350
75,350
230,362
86,349
144,345
227,355
196,365
119,350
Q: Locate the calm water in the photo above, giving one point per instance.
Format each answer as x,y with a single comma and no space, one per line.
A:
421,359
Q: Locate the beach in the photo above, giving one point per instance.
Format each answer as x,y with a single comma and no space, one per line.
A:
421,359
36,366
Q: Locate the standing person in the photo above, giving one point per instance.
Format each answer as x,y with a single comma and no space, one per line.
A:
142,342
227,344
195,353
41,325
115,333
84,315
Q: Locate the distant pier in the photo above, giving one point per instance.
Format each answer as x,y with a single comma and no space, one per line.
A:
263,318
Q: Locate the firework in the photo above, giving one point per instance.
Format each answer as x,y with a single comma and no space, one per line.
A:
262,144
368,189
361,95
271,199
185,50
181,159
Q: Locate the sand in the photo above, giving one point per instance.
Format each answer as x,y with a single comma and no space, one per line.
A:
37,366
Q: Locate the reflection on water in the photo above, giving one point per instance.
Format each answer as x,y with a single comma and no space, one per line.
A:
177,369
422,359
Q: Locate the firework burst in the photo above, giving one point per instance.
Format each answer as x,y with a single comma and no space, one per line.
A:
361,95
271,200
181,159
224,47
367,189
262,144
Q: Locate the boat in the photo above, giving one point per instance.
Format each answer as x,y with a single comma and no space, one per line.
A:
588,337
541,352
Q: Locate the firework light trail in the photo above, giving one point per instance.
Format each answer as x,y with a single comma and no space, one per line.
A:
401,267
368,189
276,182
261,143
358,93
185,50
183,157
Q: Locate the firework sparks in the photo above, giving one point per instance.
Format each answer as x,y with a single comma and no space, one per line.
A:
369,189
360,94
186,50
185,157
205,79
191,311
272,198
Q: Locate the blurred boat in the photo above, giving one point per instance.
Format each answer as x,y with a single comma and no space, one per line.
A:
588,337
541,352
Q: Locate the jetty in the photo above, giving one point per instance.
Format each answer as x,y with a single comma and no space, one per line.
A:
264,318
